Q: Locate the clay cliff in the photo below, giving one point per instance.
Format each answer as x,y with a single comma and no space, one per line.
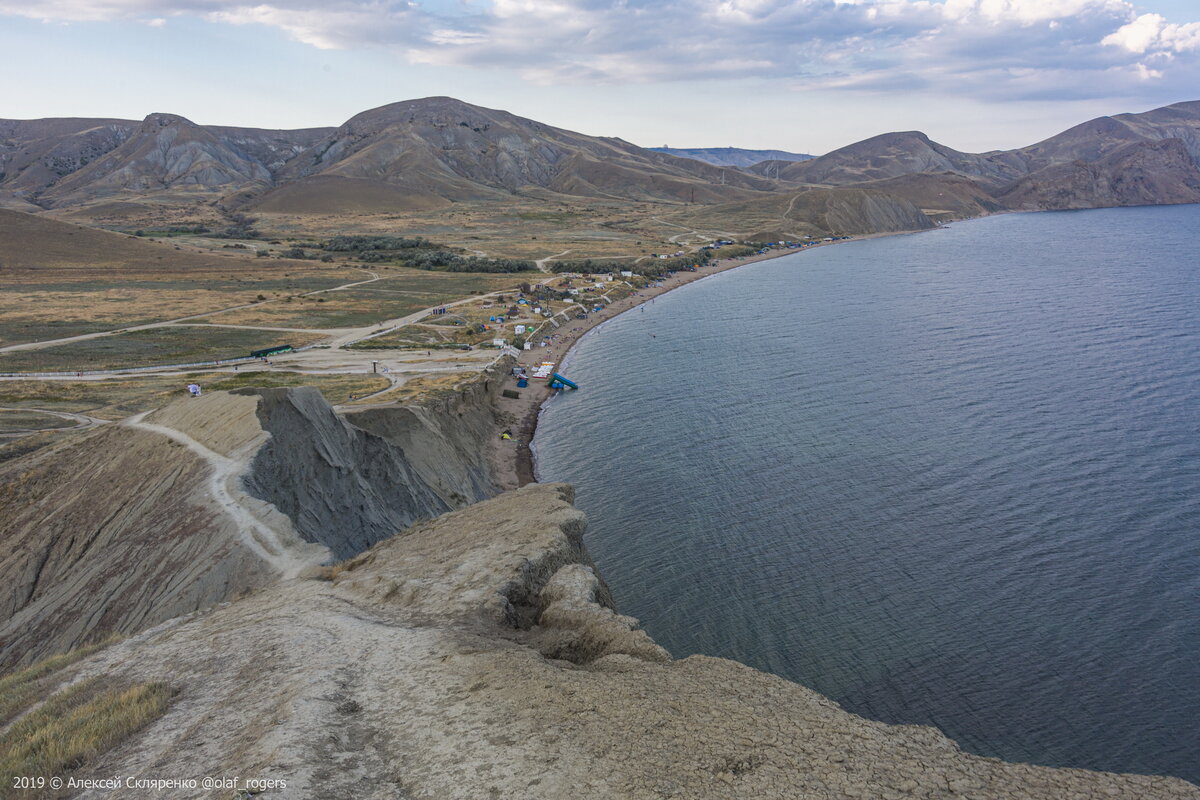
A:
132,524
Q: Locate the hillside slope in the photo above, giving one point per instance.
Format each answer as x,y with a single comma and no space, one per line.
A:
895,155
1142,173
441,147
731,156
478,655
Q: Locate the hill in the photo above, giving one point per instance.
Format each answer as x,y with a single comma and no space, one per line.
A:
414,158
439,147
65,162
1142,173
731,156
34,244
890,155
893,155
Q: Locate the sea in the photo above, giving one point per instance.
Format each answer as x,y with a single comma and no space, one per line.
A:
949,478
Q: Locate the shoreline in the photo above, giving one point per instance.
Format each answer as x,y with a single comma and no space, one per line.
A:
521,469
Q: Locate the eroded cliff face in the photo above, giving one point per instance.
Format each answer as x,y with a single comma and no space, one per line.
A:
208,498
477,656
1144,173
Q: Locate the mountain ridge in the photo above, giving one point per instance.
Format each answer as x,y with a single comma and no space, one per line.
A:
429,153
731,156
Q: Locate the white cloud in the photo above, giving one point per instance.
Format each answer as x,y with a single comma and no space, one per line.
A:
1152,33
1009,49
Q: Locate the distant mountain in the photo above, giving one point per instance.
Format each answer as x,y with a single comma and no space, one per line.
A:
63,162
731,156
890,155
1141,173
431,152
894,155
439,149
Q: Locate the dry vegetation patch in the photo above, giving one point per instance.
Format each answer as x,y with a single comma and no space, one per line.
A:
121,397
13,421
154,347
75,725
425,387
20,689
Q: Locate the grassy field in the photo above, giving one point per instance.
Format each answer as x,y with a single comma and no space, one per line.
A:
423,387
399,292
169,345
418,337
121,397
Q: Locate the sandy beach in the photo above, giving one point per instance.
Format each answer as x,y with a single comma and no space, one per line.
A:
513,462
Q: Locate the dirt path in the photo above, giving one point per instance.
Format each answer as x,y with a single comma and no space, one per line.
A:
224,486
541,262
688,232
84,421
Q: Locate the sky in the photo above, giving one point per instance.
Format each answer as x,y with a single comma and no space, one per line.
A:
801,75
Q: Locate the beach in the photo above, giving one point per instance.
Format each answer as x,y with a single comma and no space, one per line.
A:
513,460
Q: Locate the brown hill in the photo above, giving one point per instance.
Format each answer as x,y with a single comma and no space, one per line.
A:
1097,138
36,153
940,196
889,156
812,212
168,153
31,243
897,155
461,152
423,154
65,162
1142,173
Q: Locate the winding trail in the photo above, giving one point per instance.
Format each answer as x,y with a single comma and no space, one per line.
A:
84,421
223,484
688,232
541,262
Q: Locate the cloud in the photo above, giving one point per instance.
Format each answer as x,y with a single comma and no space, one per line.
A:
1000,49
1152,33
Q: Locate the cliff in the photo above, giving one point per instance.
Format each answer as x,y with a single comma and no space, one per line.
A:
127,526
478,656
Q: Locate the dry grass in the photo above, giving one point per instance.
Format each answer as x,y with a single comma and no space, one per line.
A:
19,690
74,726
116,399
174,344
425,387
11,421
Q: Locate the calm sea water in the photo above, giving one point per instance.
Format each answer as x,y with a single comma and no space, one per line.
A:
950,478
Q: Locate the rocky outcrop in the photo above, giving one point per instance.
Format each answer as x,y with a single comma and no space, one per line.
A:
474,656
